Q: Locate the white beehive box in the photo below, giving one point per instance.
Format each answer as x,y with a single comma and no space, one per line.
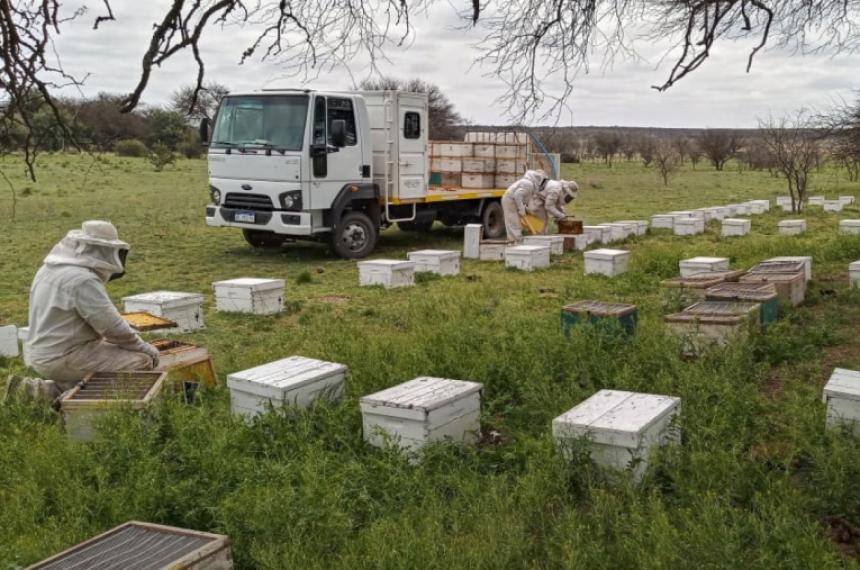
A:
832,205
477,180
580,241
185,309
849,226
806,260
294,381
631,228
421,411
854,274
484,150
485,165
616,232
780,200
707,214
609,262
510,151
438,261
764,205
699,264
249,295
510,166
505,180
452,150
842,396
472,241
493,250
662,221
815,200
724,212
554,242
742,209
686,214
846,200
142,545
791,227
757,207
446,164
598,234
736,227
390,273
527,257
9,341
623,428
688,226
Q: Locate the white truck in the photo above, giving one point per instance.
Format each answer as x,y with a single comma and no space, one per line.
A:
337,166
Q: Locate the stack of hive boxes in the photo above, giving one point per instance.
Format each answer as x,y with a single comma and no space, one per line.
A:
483,161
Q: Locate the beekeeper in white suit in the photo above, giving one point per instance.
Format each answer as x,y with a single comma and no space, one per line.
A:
516,199
553,199
74,327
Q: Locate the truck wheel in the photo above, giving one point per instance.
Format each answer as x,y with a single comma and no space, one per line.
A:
355,236
263,239
418,225
493,220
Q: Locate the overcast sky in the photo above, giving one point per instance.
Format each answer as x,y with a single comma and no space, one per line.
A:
720,94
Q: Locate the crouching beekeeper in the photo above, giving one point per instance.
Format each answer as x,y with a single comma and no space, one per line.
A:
74,327
516,198
553,199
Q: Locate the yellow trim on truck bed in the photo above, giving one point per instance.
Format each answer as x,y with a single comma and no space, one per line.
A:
439,194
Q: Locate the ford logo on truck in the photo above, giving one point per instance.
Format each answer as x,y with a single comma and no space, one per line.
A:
247,187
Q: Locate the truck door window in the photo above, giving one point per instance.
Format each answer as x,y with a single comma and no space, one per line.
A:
342,109
320,159
412,125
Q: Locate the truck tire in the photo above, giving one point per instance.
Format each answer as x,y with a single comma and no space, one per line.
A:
263,239
493,220
355,236
418,225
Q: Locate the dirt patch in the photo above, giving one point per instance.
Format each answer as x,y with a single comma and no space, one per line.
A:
775,384
335,299
845,535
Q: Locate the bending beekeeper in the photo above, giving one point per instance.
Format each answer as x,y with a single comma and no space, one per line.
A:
516,199
553,199
74,327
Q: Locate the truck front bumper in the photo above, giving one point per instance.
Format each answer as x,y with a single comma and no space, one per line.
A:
279,222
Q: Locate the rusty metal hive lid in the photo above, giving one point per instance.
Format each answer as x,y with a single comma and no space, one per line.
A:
721,308
760,292
600,308
779,267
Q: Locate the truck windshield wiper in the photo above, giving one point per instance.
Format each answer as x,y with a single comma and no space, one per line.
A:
226,143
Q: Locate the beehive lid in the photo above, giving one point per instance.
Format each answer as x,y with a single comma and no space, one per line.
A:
704,260
171,346
849,223
688,220
843,383
526,249
443,253
788,223
757,292
768,277
494,242
854,266
606,254
600,308
615,417
283,375
252,283
143,321
736,221
166,299
137,545
695,281
774,266
721,308
727,275
390,263
421,395
133,387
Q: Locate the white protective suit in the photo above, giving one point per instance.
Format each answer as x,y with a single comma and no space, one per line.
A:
553,199
74,327
516,199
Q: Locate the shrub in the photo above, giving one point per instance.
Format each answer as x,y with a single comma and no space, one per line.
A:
191,150
130,147
161,156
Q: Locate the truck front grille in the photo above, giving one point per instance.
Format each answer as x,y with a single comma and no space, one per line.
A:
257,202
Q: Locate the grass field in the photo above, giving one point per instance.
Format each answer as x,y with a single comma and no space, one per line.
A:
756,483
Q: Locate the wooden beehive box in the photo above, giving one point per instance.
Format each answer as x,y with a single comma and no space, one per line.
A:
832,205
472,241
736,227
575,242
421,411
145,546
713,322
622,428
842,396
186,362
8,341
479,165
478,180
640,227
599,313
185,309
663,221
598,234
854,274
742,209
527,257
791,227
762,293
849,227
609,262
249,295
438,261
699,264
555,243
758,206
493,250
694,285
617,232
806,260
688,226
503,180
789,278
294,381
815,200
390,273
446,164
101,392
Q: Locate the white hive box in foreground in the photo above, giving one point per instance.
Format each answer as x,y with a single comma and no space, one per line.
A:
527,257
688,226
623,427
842,396
791,227
249,295
699,264
854,274
390,273
472,241
815,200
294,381
185,309
849,227
438,261
609,262
736,227
145,546
8,341
555,242
421,411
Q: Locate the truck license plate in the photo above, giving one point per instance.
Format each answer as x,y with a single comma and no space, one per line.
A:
245,217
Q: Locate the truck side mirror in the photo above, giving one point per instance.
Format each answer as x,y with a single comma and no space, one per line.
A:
204,130
338,133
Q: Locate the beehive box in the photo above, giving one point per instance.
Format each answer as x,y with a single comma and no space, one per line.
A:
832,205
598,234
662,221
854,274
842,396
390,273
421,411
786,207
446,179
249,295
576,242
713,322
472,241
555,243
699,264
294,381
707,214
185,309
505,180
815,200
846,200
509,151
185,362
599,313
806,260
493,250
9,341
510,166
484,150
622,428
451,149
609,262
760,206
145,546
694,285
100,392
791,287
438,261
477,180
479,165
527,257
736,227
791,227
616,232
783,200
23,334
688,226
446,164
762,293
849,227
725,212
631,227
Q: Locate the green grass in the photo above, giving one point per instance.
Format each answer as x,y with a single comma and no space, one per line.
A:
757,482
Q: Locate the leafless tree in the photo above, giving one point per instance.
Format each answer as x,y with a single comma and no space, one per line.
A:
794,148
694,151
647,145
842,125
718,146
667,159
201,103
607,144
682,146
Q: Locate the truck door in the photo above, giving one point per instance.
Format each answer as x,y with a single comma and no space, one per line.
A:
413,146
333,167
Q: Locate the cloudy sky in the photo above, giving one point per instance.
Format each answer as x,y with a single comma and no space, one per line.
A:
720,94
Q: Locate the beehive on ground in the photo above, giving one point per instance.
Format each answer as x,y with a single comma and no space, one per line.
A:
806,260
249,295
854,274
576,242
662,221
791,227
294,381
688,226
702,263
598,234
421,411
185,309
493,249
832,205
761,206
599,313
622,428
555,243
815,200
101,392
472,241
439,261
390,273
185,362
742,209
849,227
609,262
762,293
789,278
616,232
527,257
713,322
8,341
736,227
842,396
694,286
145,546
846,200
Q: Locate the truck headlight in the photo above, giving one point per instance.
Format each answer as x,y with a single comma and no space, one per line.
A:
291,200
215,194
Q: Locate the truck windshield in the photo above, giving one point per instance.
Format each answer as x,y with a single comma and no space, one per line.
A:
272,121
